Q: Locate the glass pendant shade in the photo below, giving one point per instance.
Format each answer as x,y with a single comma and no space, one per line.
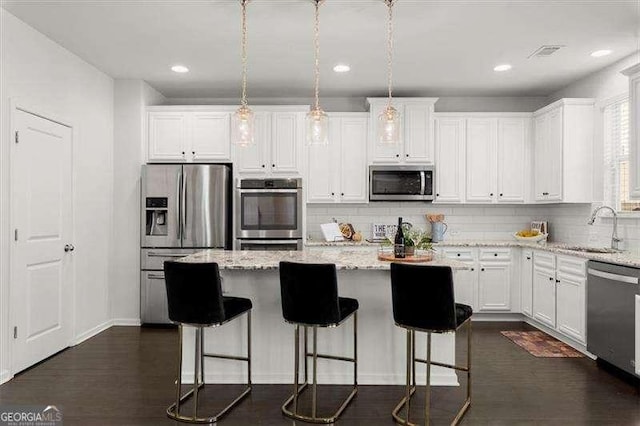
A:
243,126
389,126
317,127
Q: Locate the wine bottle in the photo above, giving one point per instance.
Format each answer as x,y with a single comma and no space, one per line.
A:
398,248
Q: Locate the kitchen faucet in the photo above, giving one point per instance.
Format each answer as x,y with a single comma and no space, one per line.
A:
615,240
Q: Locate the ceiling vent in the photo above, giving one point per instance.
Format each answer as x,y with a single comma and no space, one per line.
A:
545,51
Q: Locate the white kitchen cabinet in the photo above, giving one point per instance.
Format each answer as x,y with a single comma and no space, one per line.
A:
526,271
278,144
496,155
188,135
210,136
494,285
338,172
416,132
634,134
559,292
167,136
450,161
563,151
481,140
544,296
465,281
487,285
513,163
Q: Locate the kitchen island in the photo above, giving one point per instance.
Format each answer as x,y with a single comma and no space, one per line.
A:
381,345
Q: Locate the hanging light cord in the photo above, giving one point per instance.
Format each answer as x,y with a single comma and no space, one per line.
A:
390,48
244,52
317,53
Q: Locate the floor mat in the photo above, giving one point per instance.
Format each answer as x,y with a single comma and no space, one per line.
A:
541,345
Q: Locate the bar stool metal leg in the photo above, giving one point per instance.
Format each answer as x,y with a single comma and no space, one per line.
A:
410,390
299,388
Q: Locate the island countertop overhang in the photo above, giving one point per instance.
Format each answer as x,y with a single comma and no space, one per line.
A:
343,258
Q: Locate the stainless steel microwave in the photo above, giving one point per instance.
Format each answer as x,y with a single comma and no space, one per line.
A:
401,183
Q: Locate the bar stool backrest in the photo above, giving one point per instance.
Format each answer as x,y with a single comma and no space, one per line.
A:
423,297
194,293
309,293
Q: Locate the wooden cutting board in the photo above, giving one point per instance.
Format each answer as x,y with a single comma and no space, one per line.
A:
409,259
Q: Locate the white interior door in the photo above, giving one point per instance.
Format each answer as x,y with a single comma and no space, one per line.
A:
41,272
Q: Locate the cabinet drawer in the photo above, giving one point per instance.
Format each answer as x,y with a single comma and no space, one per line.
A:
153,298
153,259
488,254
544,260
461,254
572,266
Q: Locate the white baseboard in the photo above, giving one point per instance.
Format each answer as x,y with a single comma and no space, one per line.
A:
5,376
497,317
437,379
127,322
91,332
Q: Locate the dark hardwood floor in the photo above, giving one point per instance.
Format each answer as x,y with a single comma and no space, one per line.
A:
124,376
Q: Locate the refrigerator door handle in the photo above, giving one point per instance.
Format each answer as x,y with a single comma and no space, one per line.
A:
178,209
183,207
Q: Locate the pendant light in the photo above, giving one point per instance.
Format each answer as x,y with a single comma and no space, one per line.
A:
243,119
389,118
317,119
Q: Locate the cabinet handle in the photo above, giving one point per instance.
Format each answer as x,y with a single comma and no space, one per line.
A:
495,254
342,194
193,152
473,269
397,155
545,193
437,195
458,255
333,193
557,281
528,258
550,278
482,269
491,194
273,165
407,155
263,166
183,153
501,194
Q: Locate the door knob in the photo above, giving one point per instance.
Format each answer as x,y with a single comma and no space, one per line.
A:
69,247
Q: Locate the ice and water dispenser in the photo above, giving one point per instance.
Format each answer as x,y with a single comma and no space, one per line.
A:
156,208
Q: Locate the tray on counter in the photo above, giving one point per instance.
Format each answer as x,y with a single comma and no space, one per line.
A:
420,258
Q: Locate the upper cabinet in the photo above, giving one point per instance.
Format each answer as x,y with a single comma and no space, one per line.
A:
634,131
483,157
563,151
416,132
337,172
278,143
196,134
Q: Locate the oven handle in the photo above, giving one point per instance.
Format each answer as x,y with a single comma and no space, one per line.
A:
270,242
422,183
269,191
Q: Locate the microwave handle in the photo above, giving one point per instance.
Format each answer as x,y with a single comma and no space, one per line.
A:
422,183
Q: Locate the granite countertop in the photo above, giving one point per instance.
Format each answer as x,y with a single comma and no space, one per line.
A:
625,258
344,259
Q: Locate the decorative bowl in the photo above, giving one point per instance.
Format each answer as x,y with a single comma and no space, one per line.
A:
535,239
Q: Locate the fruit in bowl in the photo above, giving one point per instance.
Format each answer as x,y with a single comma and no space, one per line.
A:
531,235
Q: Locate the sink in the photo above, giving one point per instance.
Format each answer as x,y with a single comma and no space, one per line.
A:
603,250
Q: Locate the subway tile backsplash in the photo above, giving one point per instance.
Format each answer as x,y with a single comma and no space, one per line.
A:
567,223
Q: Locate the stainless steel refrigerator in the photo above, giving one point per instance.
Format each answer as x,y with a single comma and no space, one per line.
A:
185,208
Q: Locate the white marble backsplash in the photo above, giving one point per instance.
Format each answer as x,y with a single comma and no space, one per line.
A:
567,223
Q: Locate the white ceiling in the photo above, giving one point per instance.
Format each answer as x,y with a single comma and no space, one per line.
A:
444,48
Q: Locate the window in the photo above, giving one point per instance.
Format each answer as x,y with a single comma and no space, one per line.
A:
616,156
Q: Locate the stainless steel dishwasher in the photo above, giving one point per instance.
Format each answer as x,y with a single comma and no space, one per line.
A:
611,292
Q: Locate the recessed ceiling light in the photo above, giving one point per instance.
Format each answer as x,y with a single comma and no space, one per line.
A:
502,67
342,68
600,53
179,68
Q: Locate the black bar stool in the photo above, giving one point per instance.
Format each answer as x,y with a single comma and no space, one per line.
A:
423,300
310,299
194,295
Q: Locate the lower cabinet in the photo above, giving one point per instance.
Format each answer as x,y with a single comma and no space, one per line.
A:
559,290
486,286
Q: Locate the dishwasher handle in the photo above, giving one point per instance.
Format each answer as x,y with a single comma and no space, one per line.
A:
613,277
